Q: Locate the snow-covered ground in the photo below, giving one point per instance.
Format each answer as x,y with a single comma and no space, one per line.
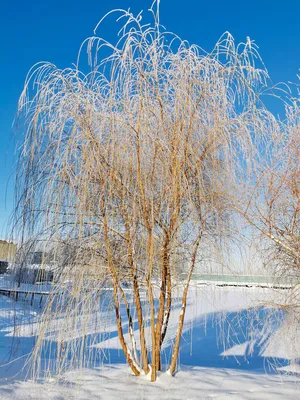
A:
234,347
195,383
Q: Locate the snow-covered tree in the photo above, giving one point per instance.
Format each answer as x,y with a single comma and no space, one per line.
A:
273,208
137,164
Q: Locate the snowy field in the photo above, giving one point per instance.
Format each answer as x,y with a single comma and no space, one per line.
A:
235,346
194,383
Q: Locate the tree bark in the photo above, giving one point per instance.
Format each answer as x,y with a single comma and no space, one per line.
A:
134,367
182,313
162,300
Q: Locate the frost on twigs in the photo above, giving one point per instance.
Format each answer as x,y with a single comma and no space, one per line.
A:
129,175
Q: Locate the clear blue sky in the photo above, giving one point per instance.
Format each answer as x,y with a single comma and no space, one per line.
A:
52,30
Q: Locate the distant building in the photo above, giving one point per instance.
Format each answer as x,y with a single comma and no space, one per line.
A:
7,251
3,267
7,254
38,257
